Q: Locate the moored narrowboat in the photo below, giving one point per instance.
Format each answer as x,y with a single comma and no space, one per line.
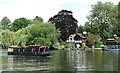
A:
31,50
113,44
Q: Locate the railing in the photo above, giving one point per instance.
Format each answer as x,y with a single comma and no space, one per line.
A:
70,41
75,41
78,41
114,47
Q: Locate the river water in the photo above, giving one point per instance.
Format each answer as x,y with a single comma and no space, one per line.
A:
61,60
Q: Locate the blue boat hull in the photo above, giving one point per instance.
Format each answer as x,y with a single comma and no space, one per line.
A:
112,48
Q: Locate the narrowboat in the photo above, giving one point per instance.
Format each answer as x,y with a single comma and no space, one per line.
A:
30,50
112,44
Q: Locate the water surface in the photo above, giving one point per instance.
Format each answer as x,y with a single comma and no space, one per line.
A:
61,60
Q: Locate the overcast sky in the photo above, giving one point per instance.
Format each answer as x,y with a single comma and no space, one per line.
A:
14,9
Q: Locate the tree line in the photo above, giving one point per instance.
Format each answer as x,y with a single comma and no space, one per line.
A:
23,32
103,22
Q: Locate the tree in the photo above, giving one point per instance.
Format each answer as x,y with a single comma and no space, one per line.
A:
5,23
102,19
65,22
43,34
92,39
37,20
118,25
19,23
7,38
80,29
19,38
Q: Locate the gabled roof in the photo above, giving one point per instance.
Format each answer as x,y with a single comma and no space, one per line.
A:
79,34
116,39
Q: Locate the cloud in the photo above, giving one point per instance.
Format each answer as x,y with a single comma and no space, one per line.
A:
14,9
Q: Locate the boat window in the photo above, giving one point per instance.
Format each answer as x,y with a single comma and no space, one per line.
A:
47,49
33,49
25,50
16,49
29,49
41,49
36,49
21,49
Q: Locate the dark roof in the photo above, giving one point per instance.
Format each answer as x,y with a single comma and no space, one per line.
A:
79,34
116,39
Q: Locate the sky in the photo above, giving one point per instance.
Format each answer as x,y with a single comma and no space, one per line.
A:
14,9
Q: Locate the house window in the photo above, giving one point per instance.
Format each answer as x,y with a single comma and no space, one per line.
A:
41,49
77,37
70,38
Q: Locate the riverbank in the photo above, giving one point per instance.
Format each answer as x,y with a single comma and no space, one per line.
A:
80,49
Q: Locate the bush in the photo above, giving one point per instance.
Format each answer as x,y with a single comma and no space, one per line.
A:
97,44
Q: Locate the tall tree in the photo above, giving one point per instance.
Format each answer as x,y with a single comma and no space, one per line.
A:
5,23
43,34
7,38
80,29
102,19
92,39
19,23
118,26
36,20
65,22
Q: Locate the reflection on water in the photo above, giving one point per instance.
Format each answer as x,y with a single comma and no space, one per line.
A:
25,63
62,60
76,60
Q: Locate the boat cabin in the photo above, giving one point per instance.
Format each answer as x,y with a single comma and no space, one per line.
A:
31,50
113,44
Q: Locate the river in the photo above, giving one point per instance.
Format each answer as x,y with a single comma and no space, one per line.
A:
61,60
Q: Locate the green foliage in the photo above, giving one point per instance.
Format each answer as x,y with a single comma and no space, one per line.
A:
41,34
102,19
118,25
80,29
97,44
44,34
7,38
36,20
19,24
21,37
5,23
93,39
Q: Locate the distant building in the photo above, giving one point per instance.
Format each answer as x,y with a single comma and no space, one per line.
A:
77,39
113,43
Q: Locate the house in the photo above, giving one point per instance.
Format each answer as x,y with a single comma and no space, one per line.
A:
77,39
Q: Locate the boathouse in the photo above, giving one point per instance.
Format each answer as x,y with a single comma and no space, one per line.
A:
113,43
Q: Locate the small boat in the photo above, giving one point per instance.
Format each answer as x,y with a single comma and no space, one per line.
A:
31,50
112,44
